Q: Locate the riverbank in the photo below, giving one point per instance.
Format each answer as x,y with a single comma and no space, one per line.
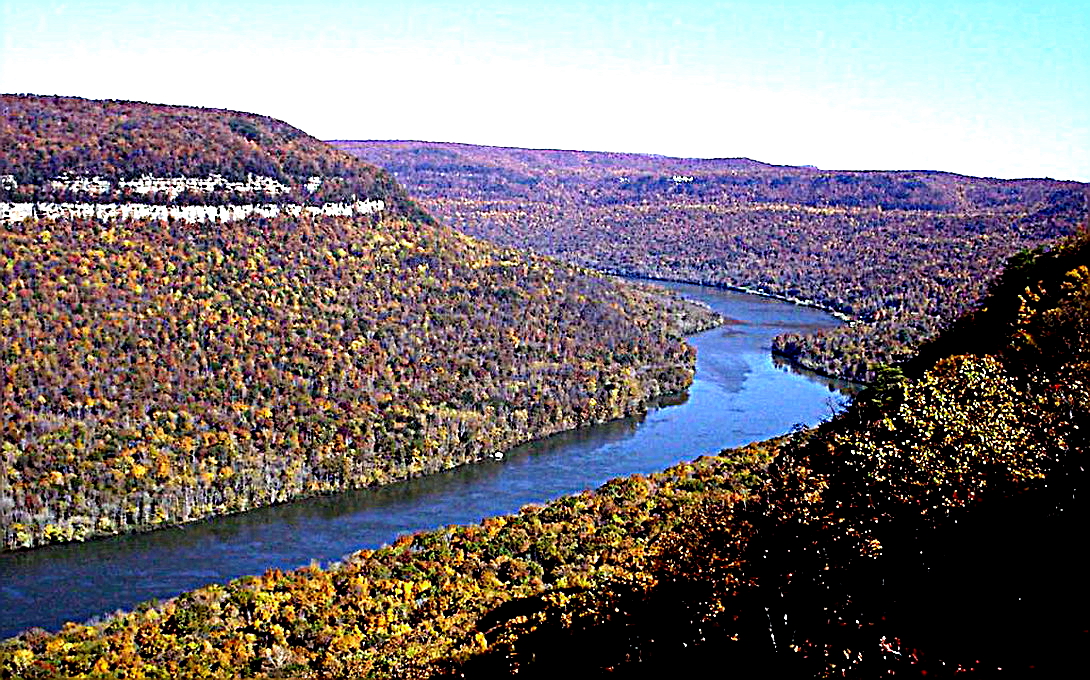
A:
802,302
738,396
789,358
161,372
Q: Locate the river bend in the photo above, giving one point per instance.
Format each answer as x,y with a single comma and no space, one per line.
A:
739,395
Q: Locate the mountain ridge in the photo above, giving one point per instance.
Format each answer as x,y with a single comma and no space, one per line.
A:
56,147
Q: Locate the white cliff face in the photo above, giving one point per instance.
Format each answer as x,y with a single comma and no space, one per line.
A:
87,185
172,187
14,212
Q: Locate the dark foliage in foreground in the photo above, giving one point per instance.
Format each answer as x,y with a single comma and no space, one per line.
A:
930,530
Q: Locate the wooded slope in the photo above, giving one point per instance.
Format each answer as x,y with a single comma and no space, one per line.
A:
157,371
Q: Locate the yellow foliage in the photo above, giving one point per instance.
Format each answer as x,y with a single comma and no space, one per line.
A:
101,667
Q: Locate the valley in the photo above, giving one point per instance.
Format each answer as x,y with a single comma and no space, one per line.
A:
160,371
900,254
738,395
208,316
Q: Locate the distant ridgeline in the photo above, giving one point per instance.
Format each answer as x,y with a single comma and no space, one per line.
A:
207,311
899,253
67,150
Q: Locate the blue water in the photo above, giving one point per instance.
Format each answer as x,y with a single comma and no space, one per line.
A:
739,395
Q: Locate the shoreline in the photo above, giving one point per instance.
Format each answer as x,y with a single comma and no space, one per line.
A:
841,316
605,441
790,360
649,402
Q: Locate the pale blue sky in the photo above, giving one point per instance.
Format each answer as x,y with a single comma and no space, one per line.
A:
983,88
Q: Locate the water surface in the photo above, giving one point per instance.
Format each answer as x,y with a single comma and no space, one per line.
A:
739,396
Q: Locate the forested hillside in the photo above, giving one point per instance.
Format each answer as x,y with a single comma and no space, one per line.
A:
899,253
929,530
157,371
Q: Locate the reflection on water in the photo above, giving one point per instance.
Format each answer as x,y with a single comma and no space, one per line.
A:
844,387
739,395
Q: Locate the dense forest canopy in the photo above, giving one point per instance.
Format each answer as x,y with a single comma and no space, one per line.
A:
899,253
927,530
157,371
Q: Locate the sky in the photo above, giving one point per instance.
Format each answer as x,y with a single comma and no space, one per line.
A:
996,89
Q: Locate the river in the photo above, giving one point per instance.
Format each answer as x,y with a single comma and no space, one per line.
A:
739,395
